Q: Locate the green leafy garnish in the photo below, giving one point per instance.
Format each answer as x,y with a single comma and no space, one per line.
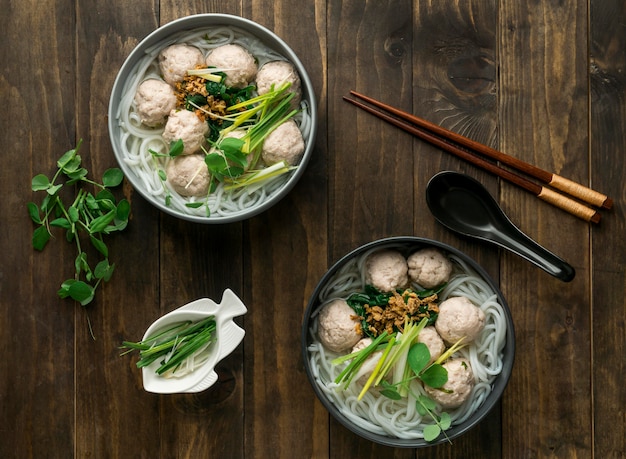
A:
442,422
407,359
232,162
92,215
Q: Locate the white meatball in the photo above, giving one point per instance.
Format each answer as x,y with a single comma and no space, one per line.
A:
429,267
154,100
277,73
459,386
285,143
186,126
459,318
175,60
236,62
386,270
433,342
188,175
337,326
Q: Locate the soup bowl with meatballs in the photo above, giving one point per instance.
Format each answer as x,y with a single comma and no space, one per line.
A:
408,342
212,118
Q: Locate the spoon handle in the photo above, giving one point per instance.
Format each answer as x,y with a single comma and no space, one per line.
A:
519,243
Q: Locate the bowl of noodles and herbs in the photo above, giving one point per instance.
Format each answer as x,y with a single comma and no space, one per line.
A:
408,342
212,118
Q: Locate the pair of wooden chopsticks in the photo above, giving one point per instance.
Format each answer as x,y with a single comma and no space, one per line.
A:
474,153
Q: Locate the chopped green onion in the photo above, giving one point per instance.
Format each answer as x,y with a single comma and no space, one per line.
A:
181,347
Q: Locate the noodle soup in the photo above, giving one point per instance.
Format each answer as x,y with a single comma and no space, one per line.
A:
398,422
135,143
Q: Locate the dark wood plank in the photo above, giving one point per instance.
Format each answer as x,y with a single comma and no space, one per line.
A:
113,412
371,167
544,113
285,255
608,142
531,79
215,266
455,86
370,164
36,387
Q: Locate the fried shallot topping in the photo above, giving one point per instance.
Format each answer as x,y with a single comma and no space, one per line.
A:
392,317
193,85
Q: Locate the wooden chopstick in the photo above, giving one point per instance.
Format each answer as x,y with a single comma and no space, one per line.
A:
569,205
570,187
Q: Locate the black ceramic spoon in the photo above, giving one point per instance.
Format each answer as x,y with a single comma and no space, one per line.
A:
464,205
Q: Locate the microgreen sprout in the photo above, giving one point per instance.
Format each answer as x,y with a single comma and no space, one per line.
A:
94,215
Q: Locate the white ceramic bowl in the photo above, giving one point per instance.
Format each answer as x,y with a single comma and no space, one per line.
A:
147,50
229,335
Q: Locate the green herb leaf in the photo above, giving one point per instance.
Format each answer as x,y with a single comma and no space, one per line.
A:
418,357
99,245
99,224
431,432
104,270
61,223
76,175
435,376
72,165
123,210
391,393
41,236
176,148
77,290
33,212
73,214
103,195
81,292
52,189
216,162
112,177
445,421
81,264
67,157
40,183
426,402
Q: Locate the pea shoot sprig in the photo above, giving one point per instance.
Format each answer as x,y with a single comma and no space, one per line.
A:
93,215
407,359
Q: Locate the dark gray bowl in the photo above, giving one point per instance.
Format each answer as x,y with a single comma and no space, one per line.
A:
163,36
410,244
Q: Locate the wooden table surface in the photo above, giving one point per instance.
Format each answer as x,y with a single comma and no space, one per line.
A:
543,81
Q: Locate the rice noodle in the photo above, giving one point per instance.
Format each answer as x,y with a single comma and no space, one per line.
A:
399,418
137,140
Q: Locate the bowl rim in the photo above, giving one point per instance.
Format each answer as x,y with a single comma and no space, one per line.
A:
196,21
498,385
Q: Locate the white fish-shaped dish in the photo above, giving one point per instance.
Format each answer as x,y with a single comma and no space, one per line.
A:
229,335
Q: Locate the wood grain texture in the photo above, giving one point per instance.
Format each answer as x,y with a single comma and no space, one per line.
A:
608,142
454,76
542,80
370,167
37,327
544,114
